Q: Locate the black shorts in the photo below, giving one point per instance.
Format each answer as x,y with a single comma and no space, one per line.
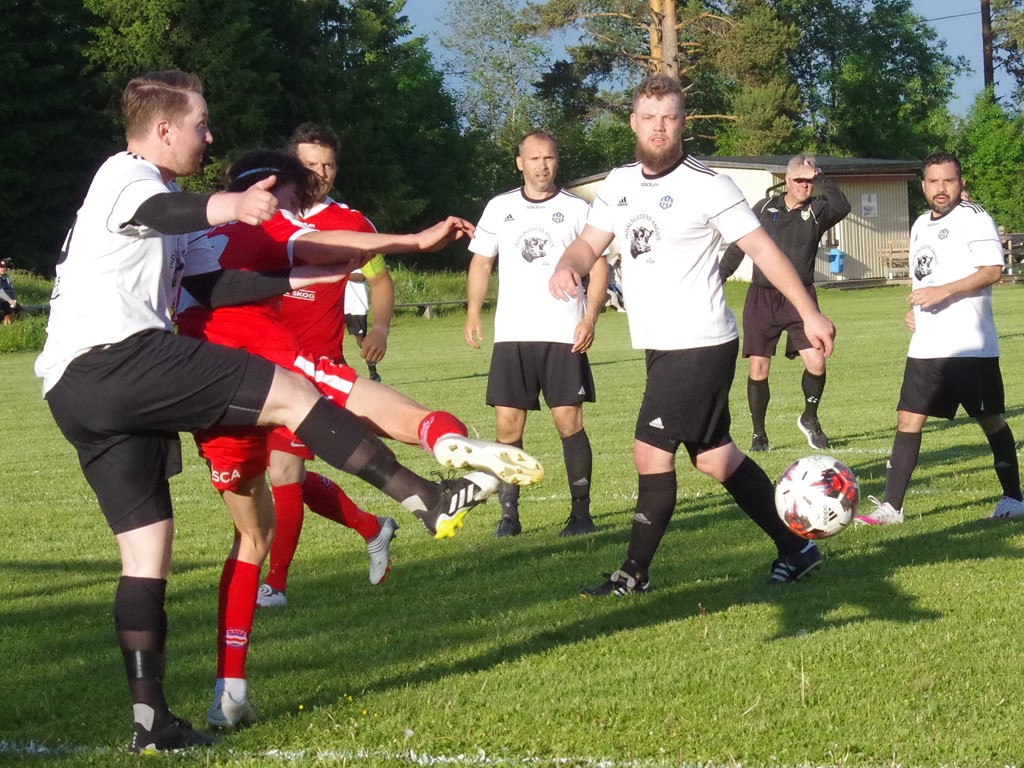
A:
687,397
122,407
356,325
766,314
520,370
937,386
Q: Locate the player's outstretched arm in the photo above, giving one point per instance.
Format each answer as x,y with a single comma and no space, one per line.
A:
356,248
253,206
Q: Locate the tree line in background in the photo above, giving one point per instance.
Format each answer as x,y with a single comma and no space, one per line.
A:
423,137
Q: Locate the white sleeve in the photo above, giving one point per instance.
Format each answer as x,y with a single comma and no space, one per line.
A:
983,241
485,241
728,211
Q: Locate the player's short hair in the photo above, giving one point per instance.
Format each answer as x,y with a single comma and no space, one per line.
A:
536,133
941,158
658,87
314,133
156,95
798,162
262,163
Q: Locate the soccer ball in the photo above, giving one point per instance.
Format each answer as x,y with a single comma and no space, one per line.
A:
817,497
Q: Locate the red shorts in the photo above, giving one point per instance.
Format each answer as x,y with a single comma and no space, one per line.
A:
284,440
234,455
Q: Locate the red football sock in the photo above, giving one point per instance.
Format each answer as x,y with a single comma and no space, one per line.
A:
288,515
436,425
325,498
239,582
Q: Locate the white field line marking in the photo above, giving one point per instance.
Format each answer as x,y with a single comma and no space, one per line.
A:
412,757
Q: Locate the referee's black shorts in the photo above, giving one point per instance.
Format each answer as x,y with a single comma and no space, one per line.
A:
766,314
122,406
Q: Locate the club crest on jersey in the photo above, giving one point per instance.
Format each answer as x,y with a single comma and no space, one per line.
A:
558,217
943,234
639,233
805,214
666,202
534,244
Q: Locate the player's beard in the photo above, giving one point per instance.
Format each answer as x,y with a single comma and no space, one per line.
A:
946,207
658,160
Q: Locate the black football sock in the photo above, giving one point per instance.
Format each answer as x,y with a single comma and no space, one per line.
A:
754,493
140,622
579,464
906,447
655,503
1004,456
758,395
345,442
508,494
814,387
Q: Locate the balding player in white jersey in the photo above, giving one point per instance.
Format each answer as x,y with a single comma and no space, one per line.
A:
671,213
540,344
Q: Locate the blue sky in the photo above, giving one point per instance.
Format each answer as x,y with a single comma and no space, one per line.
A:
958,22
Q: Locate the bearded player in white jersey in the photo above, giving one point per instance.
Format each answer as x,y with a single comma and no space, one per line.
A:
540,344
670,214
953,360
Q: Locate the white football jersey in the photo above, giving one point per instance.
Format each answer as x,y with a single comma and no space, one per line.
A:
942,251
530,236
670,228
114,278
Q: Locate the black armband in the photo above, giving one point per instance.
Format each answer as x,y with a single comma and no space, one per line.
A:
174,213
231,287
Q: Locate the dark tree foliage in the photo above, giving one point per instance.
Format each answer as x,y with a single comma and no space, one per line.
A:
54,132
875,80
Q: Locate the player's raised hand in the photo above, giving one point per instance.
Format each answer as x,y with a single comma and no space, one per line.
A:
444,233
257,203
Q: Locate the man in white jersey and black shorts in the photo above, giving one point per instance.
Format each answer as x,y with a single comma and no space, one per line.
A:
670,214
540,344
953,360
121,385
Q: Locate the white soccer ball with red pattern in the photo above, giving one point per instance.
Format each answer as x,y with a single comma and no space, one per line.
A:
817,497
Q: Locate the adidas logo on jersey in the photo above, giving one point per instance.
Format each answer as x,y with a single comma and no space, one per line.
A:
657,423
582,391
622,202
510,217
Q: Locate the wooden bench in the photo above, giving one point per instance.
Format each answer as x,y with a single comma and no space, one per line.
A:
896,255
428,309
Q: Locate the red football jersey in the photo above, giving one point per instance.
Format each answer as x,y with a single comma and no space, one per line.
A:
254,327
316,314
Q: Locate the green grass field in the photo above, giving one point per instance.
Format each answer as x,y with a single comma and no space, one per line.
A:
904,650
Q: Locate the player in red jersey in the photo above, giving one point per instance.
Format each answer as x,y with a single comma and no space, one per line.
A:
237,457
316,316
